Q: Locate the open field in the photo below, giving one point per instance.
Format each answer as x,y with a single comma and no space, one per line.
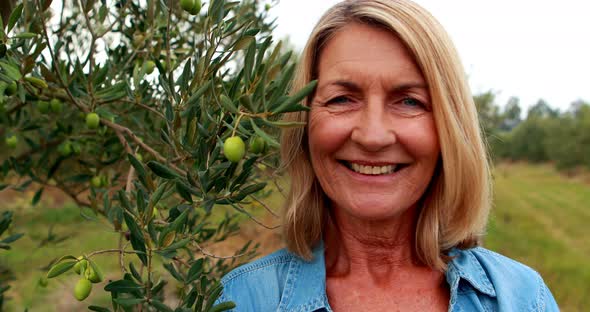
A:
540,218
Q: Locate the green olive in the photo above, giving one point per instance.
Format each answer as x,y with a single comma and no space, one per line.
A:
82,289
81,265
43,107
65,149
11,141
234,149
42,282
262,167
149,67
96,181
257,145
196,8
187,5
92,120
94,276
56,106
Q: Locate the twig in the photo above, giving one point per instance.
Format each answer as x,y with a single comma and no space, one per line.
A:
90,57
241,209
147,148
131,168
146,107
54,63
121,253
168,64
110,27
209,254
274,181
130,177
87,20
124,142
73,196
181,261
98,252
264,205
237,124
149,273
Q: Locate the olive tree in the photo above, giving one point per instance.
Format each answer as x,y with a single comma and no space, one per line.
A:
152,114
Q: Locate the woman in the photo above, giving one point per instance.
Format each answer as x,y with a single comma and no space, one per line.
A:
390,185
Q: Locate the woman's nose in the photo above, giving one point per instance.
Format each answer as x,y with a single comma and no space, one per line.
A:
373,130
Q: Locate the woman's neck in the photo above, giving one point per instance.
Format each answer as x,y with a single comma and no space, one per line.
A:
372,266
369,248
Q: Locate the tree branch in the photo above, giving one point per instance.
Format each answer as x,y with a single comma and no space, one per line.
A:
124,130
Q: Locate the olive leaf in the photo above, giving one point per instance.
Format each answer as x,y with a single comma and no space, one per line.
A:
60,268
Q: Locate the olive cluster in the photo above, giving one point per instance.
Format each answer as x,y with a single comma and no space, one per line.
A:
234,147
90,273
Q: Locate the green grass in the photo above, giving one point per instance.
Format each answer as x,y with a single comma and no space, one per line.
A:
70,234
541,218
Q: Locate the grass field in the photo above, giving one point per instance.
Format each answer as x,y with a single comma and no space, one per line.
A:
540,218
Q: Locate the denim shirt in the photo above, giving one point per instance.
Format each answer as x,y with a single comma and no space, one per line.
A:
478,279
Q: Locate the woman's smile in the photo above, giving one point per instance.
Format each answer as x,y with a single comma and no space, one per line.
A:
371,168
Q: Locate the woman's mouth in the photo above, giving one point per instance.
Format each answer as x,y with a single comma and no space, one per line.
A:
373,170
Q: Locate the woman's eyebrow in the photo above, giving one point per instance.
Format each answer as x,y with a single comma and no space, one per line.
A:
408,86
354,87
346,84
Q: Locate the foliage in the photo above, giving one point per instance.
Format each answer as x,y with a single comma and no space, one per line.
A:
488,112
5,273
168,87
523,146
544,135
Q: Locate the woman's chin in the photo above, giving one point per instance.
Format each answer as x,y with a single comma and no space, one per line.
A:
371,210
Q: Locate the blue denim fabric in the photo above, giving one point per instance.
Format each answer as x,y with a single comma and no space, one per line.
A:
479,280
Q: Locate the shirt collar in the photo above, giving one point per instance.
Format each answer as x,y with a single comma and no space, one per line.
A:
305,285
466,266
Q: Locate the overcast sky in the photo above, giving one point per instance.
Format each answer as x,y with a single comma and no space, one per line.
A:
530,49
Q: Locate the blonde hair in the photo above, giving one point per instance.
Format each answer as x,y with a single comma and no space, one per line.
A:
455,206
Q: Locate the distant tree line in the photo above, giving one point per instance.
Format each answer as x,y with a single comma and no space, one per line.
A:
544,135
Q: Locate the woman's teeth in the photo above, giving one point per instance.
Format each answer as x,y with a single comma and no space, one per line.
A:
373,170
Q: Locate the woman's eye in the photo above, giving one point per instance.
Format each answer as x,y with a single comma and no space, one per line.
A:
411,102
339,100
409,106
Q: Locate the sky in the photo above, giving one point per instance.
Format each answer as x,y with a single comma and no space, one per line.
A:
529,49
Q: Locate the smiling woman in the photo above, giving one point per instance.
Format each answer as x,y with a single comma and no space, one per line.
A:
390,184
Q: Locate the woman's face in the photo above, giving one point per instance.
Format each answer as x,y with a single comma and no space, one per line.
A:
372,137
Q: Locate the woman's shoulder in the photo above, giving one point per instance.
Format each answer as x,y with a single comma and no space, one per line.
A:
511,283
272,264
493,263
281,281
258,283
